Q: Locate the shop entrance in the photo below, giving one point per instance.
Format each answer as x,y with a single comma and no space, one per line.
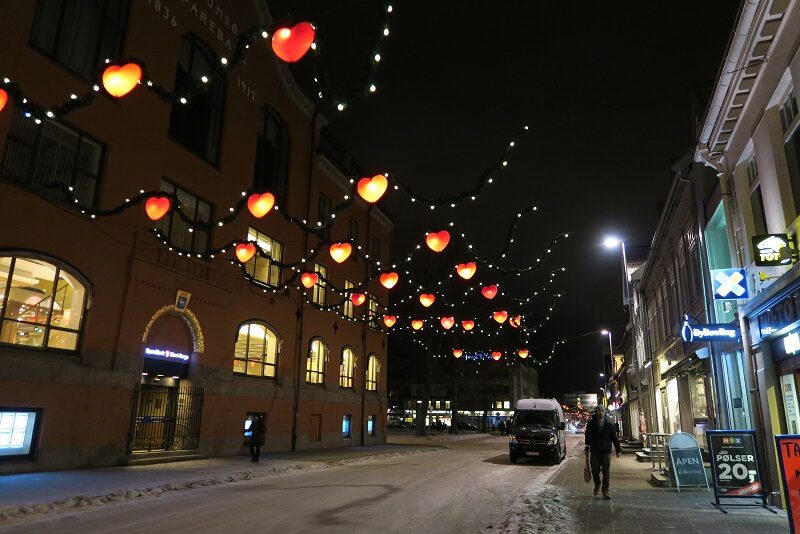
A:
167,417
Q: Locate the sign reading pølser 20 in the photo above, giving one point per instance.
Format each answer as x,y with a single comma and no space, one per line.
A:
773,249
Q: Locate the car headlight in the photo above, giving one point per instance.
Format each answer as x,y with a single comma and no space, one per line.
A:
552,441
512,438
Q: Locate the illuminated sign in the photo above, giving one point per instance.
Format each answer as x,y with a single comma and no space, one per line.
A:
163,354
773,249
791,343
708,332
182,299
729,284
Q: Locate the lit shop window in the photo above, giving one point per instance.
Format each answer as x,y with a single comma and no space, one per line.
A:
371,425
346,426
346,368
17,431
41,305
315,364
373,368
256,352
264,269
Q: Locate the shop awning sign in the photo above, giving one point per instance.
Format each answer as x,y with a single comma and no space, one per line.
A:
693,333
730,284
773,249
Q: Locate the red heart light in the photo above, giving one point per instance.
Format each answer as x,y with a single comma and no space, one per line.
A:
3,99
259,205
119,81
515,321
447,322
389,320
426,299
496,355
489,292
157,207
523,353
500,316
358,298
437,241
466,270
245,251
458,353
291,44
416,324
340,251
468,324
309,279
372,189
389,280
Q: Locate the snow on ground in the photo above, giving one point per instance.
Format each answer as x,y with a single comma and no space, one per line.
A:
539,509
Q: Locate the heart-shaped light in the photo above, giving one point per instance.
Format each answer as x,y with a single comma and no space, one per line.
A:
496,355
245,251
309,279
489,292
157,207
259,205
358,298
500,316
447,322
466,270
389,280
458,353
372,189
119,81
389,320
3,99
416,324
340,251
426,299
515,321
523,353
291,44
437,241
468,324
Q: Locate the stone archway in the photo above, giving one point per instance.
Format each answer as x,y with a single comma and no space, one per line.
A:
198,341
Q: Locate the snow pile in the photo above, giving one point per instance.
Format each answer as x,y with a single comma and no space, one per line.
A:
539,510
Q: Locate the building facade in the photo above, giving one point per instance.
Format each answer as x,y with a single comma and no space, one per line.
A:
121,336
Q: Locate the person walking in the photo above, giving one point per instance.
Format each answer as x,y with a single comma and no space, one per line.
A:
501,426
259,430
600,435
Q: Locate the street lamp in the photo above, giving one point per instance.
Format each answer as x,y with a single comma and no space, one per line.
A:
613,242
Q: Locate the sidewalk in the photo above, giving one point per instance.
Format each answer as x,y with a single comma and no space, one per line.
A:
637,506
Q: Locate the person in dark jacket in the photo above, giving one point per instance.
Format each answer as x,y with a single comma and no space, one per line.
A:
600,435
259,430
501,426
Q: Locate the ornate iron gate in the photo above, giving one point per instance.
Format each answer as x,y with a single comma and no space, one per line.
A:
165,418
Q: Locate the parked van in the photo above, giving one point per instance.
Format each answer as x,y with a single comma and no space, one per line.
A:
537,429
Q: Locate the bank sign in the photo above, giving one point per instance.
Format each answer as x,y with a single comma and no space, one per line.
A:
770,250
166,355
734,463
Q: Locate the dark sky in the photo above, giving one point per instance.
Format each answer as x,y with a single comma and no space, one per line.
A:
607,89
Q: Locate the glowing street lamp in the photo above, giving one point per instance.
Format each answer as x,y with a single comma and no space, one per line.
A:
613,242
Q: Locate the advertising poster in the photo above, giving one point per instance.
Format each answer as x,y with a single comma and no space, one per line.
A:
789,454
734,463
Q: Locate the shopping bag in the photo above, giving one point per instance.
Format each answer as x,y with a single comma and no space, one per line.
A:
587,473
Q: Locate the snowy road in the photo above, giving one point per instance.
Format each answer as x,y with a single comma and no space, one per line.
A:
471,487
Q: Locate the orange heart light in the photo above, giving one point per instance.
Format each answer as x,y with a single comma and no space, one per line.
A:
500,316
3,99
496,355
468,324
426,299
389,320
515,321
458,353
416,324
466,270
340,251
489,292
447,322
309,279
245,251
119,81
523,353
372,189
259,205
437,241
389,280
157,207
291,44
358,298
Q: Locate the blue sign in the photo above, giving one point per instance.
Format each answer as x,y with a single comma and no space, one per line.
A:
729,284
692,333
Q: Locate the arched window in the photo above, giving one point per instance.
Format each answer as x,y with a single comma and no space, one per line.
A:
256,351
272,154
347,367
373,368
315,364
41,304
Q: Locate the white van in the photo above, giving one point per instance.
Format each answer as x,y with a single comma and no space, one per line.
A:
537,429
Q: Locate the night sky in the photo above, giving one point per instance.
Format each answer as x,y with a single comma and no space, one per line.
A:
610,91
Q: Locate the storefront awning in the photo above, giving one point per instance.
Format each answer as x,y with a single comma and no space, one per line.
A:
681,367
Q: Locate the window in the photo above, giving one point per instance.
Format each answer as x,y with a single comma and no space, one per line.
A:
80,35
324,215
315,364
374,255
188,229
372,306
41,304
756,200
197,124
352,230
788,111
18,430
345,426
347,305
264,269
39,156
318,293
347,367
373,368
792,150
256,351
272,154
371,425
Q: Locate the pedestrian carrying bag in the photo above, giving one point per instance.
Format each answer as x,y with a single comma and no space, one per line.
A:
587,473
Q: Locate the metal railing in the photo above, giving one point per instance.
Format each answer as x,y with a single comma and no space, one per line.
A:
166,418
657,444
